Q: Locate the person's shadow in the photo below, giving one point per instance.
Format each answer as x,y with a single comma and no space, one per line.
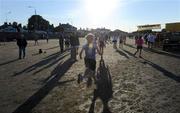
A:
104,88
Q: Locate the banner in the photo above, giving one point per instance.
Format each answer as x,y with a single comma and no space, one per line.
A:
149,27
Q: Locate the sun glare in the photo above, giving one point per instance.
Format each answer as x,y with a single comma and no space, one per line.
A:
98,10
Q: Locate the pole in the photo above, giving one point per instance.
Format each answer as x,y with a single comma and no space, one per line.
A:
6,19
35,26
35,11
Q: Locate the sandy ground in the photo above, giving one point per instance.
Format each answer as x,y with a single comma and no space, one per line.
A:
47,82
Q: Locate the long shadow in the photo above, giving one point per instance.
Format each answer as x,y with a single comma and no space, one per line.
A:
54,54
129,53
129,45
122,53
165,53
156,51
51,48
164,71
8,62
34,100
144,48
104,88
49,61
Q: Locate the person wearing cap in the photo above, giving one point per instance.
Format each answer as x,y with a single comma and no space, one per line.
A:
90,49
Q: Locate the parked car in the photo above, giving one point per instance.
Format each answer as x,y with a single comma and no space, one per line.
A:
9,29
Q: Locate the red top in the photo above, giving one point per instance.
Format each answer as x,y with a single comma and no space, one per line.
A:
140,42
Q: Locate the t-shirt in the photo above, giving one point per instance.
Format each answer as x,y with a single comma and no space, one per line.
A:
90,52
139,42
115,38
151,38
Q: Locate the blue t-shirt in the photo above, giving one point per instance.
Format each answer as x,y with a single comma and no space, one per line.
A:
90,52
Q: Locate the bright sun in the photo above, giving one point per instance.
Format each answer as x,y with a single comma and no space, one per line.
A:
98,10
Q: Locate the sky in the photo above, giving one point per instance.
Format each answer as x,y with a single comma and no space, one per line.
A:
113,14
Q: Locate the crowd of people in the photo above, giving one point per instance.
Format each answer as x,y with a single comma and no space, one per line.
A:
118,38
95,43
150,40
69,41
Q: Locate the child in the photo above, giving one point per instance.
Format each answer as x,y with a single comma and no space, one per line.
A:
139,42
90,59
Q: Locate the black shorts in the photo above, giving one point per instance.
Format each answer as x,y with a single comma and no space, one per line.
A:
150,42
120,41
67,43
90,63
115,41
139,47
101,44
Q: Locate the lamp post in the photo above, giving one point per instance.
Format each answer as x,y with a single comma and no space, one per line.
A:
33,8
9,12
36,24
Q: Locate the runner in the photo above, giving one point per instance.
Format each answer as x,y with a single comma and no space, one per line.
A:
61,41
151,40
146,38
124,39
101,44
89,59
114,40
139,42
67,40
121,41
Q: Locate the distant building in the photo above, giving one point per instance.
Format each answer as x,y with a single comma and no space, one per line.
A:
148,27
101,30
83,32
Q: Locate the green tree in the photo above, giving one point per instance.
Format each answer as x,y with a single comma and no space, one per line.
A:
14,24
37,22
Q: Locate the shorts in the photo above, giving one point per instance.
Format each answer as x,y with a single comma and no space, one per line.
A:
90,63
66,43
139,47
120,41
150,42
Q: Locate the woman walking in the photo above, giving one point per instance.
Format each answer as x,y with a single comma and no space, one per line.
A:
139,42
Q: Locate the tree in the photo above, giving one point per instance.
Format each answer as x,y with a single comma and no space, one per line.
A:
25,27
58,29
10,24
51,27
37,22
65,27
20,25
14,24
